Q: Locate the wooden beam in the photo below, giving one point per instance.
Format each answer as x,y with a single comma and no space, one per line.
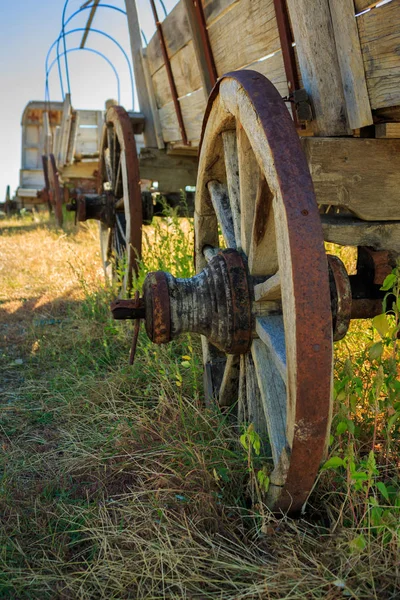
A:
89,22
379,39
152,100
202,48
319,65
347,231
351,64
360,174
150,137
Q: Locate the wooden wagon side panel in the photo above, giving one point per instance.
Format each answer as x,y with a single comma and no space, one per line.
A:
379,31
243,34
177,35
230,25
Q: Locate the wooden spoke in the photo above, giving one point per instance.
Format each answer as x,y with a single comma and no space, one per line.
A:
119,169
108,166
263,258
249,175
118,191
269,289
270,330
228,393
222,207
273,394
284,382
255,410
232,178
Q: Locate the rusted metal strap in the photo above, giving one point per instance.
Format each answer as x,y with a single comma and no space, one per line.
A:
289,59
205,40
171,80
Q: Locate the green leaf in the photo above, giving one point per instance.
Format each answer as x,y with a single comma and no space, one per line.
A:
185,364
358,544
243,441
350,426
333,463
263,480
392,420
389,282
383,490
375,351
381,324
341,428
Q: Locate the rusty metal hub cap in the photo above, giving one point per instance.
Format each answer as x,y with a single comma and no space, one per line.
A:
215,303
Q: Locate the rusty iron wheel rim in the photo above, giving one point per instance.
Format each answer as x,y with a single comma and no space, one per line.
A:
54,191
246,103
119,172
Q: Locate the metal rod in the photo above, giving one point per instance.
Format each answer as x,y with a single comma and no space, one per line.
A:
171,80
89,23
208,54
286,39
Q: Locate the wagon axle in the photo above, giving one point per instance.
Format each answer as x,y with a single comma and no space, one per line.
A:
220,303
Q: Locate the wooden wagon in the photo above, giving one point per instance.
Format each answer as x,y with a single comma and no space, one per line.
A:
294,109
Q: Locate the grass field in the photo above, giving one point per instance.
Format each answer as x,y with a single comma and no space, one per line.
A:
116,481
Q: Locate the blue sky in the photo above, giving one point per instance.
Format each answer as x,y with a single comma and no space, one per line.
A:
27,30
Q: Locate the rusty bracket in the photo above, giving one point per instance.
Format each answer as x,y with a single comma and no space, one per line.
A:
170,75
205,41
303,110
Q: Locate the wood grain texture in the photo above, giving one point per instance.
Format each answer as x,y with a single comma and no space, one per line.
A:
360,5
387,130
215,8
379,32
177,34
353,232
351,63
360,174
186,76
319,66
244,34
193,108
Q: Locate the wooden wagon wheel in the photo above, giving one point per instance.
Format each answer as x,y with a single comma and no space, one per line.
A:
54,189
254,184
121,241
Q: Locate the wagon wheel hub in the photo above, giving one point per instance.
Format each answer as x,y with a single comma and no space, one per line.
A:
217,303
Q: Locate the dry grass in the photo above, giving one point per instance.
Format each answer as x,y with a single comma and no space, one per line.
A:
117,482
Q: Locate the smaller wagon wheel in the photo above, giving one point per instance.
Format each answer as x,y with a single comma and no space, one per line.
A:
120,241
54,189
254,186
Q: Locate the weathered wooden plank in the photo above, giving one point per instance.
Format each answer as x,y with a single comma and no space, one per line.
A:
140,78
186,76
387,130
216,8
379,32
156,124
346,231
244,34
193,108
351,63
177,34
319,66
360,5
360,174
